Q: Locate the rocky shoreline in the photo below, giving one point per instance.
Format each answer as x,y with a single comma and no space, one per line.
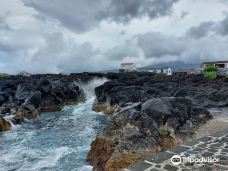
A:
26,97
151,113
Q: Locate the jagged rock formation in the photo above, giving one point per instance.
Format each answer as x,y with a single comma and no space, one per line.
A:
151,113
26,97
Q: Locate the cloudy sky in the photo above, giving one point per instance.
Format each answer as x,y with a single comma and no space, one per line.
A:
52,36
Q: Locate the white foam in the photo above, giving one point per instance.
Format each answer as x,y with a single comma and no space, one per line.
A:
49,161
85,168
9,119
89,87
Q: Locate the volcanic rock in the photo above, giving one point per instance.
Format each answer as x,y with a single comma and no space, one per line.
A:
169,110
4,125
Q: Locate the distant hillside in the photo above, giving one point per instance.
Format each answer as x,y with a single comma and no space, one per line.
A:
174,66
110,71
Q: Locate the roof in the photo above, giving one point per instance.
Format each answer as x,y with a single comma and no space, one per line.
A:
215,62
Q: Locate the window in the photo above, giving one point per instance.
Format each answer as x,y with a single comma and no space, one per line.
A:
220,65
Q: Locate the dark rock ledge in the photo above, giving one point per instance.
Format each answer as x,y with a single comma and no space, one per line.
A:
26,97
149,114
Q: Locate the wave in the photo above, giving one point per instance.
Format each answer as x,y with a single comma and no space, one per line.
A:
88,88
51,160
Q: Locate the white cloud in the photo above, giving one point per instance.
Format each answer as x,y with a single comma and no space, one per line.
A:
73,36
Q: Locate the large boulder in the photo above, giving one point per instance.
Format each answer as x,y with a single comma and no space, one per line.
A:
71,92
127,139
158,107
131,136
51,103
161,109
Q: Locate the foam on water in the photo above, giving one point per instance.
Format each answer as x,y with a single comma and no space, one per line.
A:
85,168
51,160
54,141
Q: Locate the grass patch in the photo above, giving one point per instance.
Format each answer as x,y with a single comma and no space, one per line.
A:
210,75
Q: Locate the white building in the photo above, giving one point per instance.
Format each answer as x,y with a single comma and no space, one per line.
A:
165,71
128,67
221,65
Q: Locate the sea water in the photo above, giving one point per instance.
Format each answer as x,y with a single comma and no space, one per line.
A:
57,141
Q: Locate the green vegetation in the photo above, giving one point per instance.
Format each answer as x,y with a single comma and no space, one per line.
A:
211,68
210,72
210,75
3,75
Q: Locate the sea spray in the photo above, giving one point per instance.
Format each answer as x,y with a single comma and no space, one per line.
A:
88,88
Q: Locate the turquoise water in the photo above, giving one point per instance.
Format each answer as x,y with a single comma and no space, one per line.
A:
56,141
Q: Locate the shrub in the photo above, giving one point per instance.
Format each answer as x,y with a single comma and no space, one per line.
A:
210,75
210,68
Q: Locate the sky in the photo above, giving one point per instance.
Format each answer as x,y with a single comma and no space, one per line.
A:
64,36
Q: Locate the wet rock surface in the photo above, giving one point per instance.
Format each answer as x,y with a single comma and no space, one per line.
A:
26,97
151,113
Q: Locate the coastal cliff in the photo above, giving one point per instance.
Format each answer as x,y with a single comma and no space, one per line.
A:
24,97
151,113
